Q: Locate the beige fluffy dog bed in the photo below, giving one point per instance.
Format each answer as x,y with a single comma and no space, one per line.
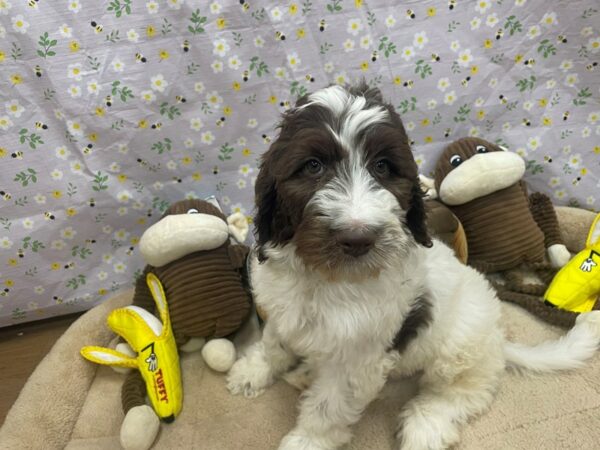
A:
71,403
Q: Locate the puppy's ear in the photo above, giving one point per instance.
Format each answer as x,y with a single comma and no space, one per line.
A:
266,201
416,218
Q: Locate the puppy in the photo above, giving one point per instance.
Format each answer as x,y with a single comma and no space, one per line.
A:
354,287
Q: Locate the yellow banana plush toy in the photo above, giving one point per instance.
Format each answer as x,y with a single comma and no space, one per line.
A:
576,286
153,341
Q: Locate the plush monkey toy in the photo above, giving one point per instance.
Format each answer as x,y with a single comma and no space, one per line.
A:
506,229
203,277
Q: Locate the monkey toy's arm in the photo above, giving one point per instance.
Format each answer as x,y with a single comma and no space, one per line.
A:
543,213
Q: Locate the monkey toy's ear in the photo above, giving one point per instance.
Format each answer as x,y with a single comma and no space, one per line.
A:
238,226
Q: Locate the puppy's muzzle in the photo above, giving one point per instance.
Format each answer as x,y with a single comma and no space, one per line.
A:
356,242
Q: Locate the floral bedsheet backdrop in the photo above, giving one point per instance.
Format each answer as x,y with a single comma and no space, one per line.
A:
110,110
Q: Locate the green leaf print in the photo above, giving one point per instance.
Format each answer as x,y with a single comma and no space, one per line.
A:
250,99
192,68
497,59
259,14
46,43
546,48
49,94
82,252
565,134
238,39
71,190
120,8
25,177
32,139
452,26
526,83
423,69
225,152
162,146
197,22
259,66
455,67
371,19
123,92
159,204
534,167
325,47
99,182
407,105
306,7
77,281
169,110
462,113
113,36
513,25
16,51
35,245
334,6
166,27
93,62
588,13
6,223
582,95
297,89
387,46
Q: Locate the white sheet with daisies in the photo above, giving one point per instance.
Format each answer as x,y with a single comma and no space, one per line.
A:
110,110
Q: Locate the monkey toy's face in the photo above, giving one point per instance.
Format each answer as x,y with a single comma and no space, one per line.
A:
471,168
188,226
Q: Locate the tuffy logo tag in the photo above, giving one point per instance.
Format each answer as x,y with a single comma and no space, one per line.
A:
160,387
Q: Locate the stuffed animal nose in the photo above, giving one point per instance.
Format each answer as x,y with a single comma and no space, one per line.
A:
356,242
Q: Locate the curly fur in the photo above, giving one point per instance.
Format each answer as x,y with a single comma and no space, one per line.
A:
342,323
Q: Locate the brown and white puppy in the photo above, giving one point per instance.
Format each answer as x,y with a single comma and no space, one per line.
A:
353,287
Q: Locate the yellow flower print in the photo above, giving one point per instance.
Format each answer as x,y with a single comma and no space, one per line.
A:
71,212
546,121
397,80
583,171
143,124
236,86
196,176
300,33
57,194
474,70
12,262
186,160
141,221
431,11
293,9
102,291
15,79
74,46
488,43
358,4
134,240
93,137
272,99
481,114
55,266
364,66
122,178
425,122
221,23
99,111
163,54
2,56
150,31
428,139
542,102
3,152
246,152
227,111
518,58
9,283
597,149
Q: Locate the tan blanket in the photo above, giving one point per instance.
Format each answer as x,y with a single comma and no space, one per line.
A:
71,403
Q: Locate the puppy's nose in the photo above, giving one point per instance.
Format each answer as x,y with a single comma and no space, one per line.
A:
356,242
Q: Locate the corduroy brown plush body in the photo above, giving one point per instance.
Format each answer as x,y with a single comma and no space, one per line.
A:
205,290
506,229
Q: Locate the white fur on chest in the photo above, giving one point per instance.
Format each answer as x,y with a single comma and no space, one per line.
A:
317,318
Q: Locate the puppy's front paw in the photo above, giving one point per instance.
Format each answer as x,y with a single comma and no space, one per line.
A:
249,377
298,441
420,432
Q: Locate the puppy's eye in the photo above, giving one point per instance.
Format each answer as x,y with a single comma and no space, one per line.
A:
455,160
382,167
314,167
481,149
192,211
